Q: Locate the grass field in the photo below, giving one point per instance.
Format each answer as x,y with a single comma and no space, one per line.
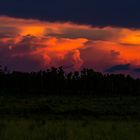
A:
69,118
71,107
24,129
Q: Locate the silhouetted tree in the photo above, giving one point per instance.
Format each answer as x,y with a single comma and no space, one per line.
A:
56,81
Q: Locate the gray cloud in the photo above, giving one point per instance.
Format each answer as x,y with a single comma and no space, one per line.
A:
89,33
7,31
119,68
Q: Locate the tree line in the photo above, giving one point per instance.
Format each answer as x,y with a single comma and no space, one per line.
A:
57,81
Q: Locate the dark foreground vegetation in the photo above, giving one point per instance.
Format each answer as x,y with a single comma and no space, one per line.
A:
56,82
77,95
23,129
69,118
54,105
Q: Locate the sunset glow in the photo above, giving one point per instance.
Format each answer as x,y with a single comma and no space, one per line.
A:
46,44
32,30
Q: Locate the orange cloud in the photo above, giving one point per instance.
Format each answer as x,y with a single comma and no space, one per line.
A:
57,49
46,44
33,30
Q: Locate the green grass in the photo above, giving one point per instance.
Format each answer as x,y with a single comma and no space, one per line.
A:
71,107
69,118
26,129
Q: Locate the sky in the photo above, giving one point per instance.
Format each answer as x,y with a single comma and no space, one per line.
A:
39,34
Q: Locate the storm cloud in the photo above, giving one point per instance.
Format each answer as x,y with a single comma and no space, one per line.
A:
99,13
30,45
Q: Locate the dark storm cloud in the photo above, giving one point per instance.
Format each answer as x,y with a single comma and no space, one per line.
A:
118,68
137,70
124,13
18,56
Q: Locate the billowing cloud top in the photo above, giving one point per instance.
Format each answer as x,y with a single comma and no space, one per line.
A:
27,45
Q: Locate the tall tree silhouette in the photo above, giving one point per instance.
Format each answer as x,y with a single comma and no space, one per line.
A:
56,81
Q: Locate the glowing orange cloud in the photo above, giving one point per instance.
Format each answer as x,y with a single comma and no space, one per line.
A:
55,43
58,48
32,30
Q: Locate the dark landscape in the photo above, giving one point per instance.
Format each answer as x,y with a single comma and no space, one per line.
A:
69,69
54,105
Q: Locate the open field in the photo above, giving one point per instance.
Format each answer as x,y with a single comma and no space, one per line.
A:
69,118
26,129
71,107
